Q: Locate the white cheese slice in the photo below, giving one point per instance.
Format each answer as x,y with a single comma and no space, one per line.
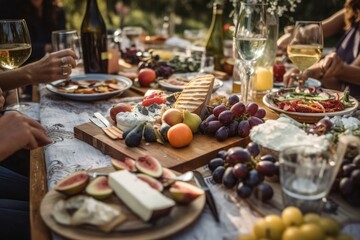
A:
142,199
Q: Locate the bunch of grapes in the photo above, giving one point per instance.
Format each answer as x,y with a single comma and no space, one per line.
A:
131,55
348,177
239,167
322,127
161,68
232,119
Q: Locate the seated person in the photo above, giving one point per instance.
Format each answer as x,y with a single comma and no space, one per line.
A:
338,69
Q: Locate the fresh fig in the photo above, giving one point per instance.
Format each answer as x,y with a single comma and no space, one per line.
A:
159,138
133,139
192,120
167,177
183,192
99,188
155,184
164,129
149,165
131,164
119,165
125,133
149,133
74,183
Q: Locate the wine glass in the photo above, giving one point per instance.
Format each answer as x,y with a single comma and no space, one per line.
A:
250,39
63,39
306,45
15,49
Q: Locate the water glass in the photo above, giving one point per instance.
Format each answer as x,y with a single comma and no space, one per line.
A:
207,64
263,80
306,174
64,39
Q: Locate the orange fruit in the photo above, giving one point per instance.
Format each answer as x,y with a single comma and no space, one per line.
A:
179,135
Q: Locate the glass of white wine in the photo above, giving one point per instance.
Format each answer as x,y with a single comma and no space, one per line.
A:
306,45
250,39
15,49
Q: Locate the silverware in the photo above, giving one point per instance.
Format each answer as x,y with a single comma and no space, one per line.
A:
110,130
209,197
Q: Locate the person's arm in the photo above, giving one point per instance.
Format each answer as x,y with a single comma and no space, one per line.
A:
47,69
334,24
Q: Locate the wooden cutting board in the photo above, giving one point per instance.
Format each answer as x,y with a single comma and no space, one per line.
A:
201,150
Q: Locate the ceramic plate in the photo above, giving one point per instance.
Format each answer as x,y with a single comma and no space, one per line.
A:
311,82
308,117
169,85
123,81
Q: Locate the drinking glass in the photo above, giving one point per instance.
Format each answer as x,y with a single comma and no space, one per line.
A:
15,49
64,39
306,45
306,175
250,39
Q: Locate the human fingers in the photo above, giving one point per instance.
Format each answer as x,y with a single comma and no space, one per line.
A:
40,137
66,56
290,77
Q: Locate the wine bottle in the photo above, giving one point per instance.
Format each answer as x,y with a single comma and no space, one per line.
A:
215,40
94,40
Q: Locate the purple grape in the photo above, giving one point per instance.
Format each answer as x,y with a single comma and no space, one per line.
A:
233,128
222,154
356,161
253,149
327,123
346,186
252,108
254,121
210,118
237,155
347,169
243,191
254,178
355,177
261,113
218,174
264,192
229,180
244,128
238,109
219,109
233,99
240,171
222,133
268,157
214,163
266,168
212,127
226,117
277,168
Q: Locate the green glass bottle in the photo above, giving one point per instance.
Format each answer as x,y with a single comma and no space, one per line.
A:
215,41
94,40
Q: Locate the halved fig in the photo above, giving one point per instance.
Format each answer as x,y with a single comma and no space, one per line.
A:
155,184
99,188
119,165
183,192
131,164
149,165
167,177
74,183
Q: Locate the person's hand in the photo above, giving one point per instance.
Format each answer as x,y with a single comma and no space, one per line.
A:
290,77
17,131
283,42
331,65
2,99
54,66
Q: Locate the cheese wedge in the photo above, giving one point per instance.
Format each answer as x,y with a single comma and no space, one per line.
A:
196,95
142,199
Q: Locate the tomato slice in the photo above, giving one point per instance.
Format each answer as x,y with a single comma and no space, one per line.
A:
148,101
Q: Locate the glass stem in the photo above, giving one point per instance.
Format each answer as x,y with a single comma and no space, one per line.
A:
245,85
17,97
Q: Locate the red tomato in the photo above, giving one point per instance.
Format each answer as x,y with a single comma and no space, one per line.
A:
148,101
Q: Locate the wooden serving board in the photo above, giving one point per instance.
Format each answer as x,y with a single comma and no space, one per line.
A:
133,228
201,150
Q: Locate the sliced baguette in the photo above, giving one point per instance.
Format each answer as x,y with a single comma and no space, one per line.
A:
196,95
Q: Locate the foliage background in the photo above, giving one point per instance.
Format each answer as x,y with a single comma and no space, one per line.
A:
187,14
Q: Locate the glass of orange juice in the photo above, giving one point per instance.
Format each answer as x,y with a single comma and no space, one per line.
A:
263,80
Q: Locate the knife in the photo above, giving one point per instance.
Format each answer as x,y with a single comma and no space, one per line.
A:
102,119
209,197
112,131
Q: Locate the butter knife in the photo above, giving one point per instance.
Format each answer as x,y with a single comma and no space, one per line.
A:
111,131
209,197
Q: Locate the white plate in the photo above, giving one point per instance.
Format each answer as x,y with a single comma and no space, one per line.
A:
309,117
93,96
311,82
175,88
